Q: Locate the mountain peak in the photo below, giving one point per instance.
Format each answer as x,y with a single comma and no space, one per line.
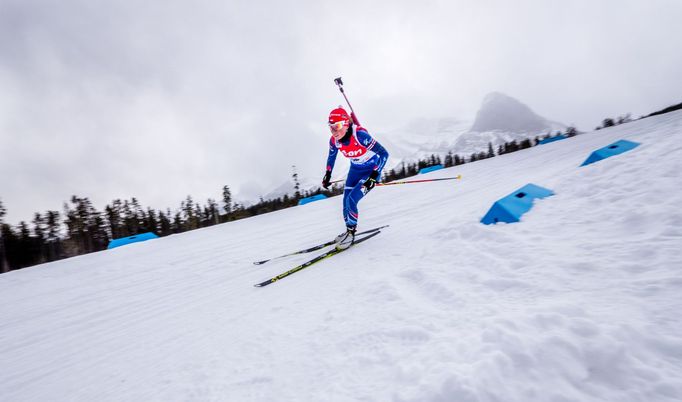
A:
498,96
500,112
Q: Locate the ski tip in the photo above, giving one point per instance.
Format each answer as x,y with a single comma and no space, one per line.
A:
260,285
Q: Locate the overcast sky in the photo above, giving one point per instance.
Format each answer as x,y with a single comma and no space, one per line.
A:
164,99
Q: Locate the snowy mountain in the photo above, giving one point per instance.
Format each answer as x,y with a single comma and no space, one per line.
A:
421,138
501,119
500,112
580,301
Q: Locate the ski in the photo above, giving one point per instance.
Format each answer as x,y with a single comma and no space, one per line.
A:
314,260
319,246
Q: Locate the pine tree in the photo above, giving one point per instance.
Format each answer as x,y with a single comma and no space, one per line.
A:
12,247
190,216
113,215
24,246
24,231
448,159
491,152
177,223
608,122
297,185
213,212
199,217
86,229
227,199
97,230
138,216
4,266
511,146
38,225
74,230
152,223
389,176
39,233
624,119
129,221
165,227
412,170
52,236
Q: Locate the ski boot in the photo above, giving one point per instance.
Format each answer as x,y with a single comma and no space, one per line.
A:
344,240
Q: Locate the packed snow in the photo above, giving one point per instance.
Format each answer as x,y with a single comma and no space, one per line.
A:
580,301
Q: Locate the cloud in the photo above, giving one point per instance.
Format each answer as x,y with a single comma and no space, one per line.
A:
159,100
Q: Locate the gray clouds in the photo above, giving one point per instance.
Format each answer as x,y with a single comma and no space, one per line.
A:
162,99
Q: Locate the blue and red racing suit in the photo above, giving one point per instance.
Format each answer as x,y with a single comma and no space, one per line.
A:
366,155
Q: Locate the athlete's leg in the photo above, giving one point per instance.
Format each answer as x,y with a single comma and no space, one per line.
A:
353,193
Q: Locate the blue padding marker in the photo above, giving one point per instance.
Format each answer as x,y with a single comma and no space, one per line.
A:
510,208
616,148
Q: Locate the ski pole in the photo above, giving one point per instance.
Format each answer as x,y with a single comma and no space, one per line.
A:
459,176
339,83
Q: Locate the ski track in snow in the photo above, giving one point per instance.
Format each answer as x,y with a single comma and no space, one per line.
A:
580,301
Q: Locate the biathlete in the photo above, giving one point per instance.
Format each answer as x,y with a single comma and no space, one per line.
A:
367,159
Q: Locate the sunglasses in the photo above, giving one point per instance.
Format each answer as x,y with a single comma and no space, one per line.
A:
337,126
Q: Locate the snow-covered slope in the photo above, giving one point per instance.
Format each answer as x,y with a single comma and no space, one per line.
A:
580,301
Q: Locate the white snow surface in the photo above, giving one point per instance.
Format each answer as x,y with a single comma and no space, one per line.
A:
580,301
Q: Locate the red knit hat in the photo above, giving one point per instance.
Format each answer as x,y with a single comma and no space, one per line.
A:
339,114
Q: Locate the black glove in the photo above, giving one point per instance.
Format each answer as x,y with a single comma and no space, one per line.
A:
372,180
326,181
